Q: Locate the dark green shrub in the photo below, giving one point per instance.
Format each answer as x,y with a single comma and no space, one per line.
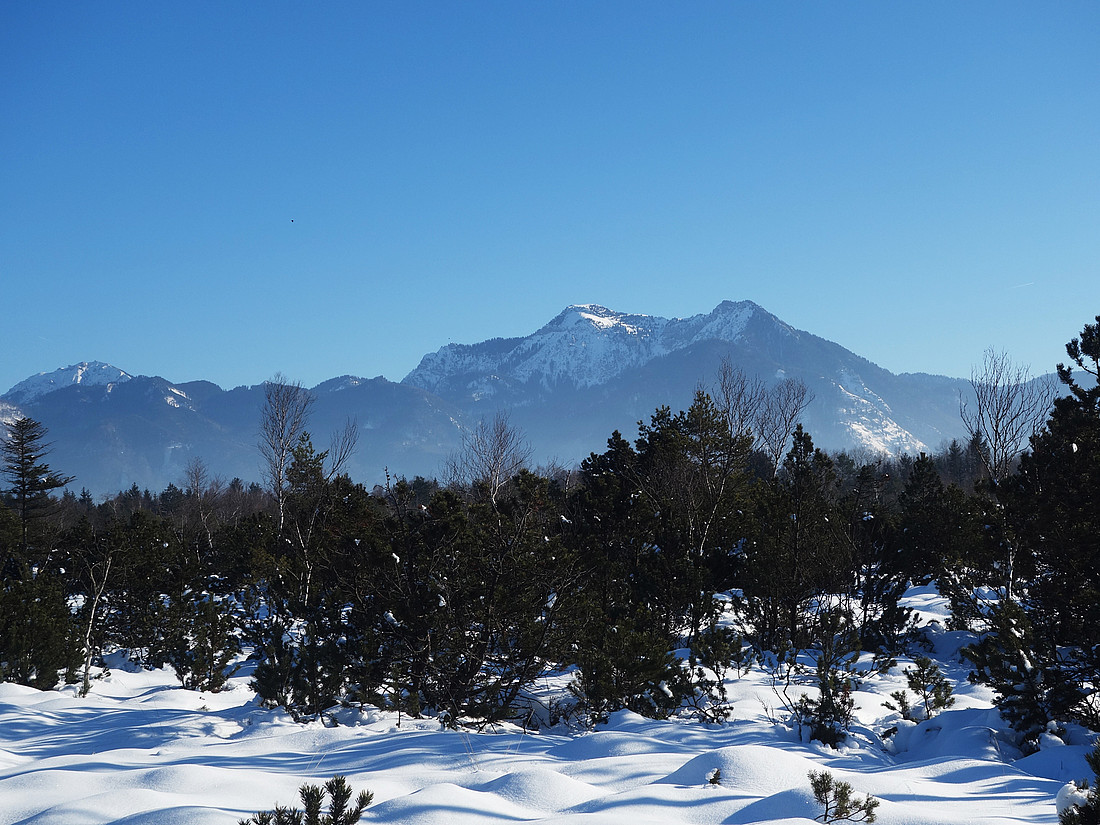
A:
313,796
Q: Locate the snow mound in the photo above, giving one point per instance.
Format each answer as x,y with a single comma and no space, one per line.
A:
752,769
543,789
450,804
605,744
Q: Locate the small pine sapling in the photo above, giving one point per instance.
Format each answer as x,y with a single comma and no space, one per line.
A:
930,686
715,777
313,797
830,715
900,704
840,804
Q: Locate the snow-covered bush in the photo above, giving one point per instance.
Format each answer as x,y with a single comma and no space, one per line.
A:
1081,806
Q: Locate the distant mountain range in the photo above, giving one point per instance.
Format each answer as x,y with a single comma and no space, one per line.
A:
568,386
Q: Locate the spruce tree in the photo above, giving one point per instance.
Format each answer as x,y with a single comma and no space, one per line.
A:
29,479
36,628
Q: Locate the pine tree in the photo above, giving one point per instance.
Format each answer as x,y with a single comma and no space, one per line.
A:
840,805
1052,501
313,797
616,631
36,628
1031,685
30,479
800,550
37,634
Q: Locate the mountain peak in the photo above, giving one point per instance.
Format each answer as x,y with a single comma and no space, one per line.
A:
599,318
86,373
584,345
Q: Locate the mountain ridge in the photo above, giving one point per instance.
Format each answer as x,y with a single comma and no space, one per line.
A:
567,385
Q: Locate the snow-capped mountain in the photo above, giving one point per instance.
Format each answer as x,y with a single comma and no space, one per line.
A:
568,385
584,346
86,374
591,370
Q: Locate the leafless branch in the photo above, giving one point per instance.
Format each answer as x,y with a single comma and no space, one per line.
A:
1009,407
491,454
342,446
286,410
739,399
777,416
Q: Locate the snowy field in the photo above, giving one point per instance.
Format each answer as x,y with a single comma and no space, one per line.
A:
142,750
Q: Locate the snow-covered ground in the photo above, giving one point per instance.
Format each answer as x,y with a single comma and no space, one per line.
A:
140,749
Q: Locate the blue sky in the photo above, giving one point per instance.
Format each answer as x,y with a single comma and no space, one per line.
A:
224,190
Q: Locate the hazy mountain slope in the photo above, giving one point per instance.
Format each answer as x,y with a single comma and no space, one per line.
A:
145,430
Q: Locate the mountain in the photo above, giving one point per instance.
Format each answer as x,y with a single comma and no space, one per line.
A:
84,374
591,370
567,386
145,430
585,346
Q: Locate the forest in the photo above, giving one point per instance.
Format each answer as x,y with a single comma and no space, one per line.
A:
651,572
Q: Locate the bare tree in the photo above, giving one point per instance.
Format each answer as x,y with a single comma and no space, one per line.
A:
1009,407
98,568
342,447
739,399
285,413
778,414
491,454
205,494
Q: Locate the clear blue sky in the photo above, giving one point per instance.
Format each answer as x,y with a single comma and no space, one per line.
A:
224,190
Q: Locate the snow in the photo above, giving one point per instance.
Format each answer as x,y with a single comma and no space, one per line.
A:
142,750
86,373
9,413
870,420
585,345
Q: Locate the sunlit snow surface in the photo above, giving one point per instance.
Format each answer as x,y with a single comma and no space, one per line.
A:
140,749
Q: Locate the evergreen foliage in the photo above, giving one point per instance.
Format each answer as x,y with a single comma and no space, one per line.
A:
839,802
1043,652
799,551
828,716
930,686
1032,688
30,479
453,601
37,630
37,635
340,810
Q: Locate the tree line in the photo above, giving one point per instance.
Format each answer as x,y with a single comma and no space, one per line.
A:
716,539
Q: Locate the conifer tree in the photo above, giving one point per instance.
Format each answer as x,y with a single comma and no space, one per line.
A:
36,628
800,550
617,625
1052,500
1025,671
29,479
